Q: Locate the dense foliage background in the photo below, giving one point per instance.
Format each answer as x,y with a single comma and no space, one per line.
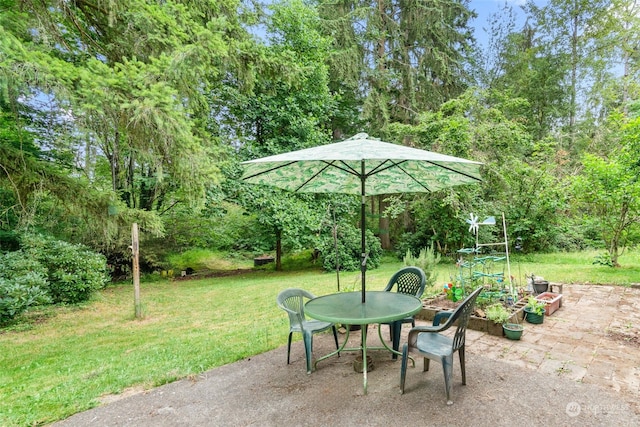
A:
113,112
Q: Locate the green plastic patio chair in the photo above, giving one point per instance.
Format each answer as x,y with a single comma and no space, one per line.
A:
292,301
428,342
410,281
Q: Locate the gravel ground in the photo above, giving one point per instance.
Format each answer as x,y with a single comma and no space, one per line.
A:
265,391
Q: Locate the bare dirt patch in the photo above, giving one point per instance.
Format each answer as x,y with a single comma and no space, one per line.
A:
213,273
629,337
110,398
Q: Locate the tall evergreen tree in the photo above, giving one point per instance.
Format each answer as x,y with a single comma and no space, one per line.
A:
404,57
531,72
132,76
398,58
129,82
569,29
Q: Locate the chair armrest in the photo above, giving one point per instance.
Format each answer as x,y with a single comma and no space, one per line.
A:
440,316
294,313
415,331
436,327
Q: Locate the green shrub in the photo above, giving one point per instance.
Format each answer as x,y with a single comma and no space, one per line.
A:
204,259
16,298
192,258
18,263
23,284
300,260
427,260
9,240
349,249
74,272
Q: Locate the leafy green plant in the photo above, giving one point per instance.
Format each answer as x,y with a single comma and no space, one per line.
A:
427,260
18,263
535,306
23,284
16,298
497,313
603,259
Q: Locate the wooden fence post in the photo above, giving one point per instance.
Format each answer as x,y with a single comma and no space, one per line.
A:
136,269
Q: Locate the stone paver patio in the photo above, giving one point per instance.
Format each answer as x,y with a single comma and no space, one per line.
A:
593,338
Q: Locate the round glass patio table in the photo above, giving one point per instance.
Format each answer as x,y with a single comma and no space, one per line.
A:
347,308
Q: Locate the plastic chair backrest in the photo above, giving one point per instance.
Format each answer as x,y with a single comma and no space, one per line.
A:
408,280
462,315
291,300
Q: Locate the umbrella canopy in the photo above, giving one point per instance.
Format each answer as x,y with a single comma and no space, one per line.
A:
363,166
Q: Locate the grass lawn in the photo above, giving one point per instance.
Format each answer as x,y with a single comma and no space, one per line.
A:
57,361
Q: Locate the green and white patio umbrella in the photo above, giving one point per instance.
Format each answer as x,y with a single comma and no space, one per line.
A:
363,166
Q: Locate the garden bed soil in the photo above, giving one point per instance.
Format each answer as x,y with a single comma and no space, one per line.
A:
477,321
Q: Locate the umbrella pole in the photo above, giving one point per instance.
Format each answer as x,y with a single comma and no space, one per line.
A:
335,247
363,226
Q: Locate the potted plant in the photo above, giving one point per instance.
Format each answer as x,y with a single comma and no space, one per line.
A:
498,314
513,331
534,310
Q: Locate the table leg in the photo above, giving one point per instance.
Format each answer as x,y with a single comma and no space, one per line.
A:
395,337
364,355
333,353
396,343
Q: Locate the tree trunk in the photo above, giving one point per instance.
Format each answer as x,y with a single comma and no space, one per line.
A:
574,78
135,242
383,224
114,161
278,250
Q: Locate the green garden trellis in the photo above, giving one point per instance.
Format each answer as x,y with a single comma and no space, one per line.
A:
474,226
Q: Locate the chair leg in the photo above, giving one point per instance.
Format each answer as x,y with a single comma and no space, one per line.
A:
395,338
447,367
289,348
461,354
403,367
335,337
308,349
391,326
425,364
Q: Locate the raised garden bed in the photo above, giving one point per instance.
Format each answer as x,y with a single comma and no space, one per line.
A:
432,306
